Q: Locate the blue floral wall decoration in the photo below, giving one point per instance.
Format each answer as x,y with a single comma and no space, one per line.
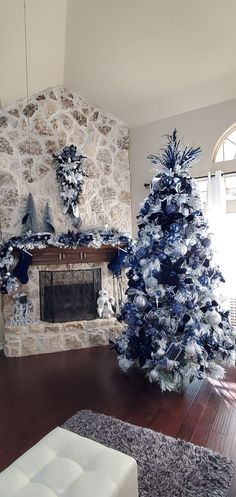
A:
70,175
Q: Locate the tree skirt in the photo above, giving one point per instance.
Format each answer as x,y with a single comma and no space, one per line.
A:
167,467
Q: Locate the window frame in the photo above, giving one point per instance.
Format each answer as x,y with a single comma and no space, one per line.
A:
220,142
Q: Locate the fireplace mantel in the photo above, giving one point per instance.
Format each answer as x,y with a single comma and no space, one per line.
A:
56,255
39,336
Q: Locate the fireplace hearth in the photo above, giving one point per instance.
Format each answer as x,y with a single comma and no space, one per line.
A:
69,295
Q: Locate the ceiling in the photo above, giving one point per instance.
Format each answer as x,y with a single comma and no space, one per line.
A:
139,60
146,60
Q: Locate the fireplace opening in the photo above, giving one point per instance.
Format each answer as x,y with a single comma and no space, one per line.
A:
69,295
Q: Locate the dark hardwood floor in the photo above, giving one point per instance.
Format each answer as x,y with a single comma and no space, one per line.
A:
40,392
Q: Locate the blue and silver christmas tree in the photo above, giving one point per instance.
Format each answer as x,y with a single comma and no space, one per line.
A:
175,327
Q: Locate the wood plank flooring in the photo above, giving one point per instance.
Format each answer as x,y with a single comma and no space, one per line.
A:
40,392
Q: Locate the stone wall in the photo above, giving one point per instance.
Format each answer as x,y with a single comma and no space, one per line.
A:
31,132
43,338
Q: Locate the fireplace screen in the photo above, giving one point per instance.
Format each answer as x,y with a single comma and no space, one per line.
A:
69,295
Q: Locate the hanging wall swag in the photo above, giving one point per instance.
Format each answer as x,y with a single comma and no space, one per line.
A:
70,175
96,238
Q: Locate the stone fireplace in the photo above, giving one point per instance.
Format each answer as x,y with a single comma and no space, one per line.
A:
41,336
57,117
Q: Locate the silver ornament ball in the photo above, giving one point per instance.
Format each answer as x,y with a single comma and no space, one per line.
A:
213,317
180,249
140,301
190,349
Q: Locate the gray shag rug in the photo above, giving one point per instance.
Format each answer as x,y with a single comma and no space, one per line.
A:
167,467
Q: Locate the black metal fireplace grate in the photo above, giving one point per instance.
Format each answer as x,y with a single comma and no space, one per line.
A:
69,295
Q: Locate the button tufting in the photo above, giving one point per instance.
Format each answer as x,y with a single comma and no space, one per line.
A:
64,464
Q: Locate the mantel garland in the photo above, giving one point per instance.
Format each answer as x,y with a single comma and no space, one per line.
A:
95,239
70,175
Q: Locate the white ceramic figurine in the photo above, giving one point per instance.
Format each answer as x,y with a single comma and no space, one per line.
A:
104,305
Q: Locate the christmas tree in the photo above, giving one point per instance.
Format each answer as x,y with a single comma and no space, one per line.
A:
48,224
29,221
176,329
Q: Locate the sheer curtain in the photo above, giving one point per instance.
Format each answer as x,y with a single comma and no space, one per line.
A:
216,212
217,218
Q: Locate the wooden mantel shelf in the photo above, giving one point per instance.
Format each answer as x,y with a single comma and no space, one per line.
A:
55,255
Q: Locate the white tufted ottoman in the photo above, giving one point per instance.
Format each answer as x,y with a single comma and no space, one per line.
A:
64,464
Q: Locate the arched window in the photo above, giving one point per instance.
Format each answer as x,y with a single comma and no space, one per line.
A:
220,189
225,149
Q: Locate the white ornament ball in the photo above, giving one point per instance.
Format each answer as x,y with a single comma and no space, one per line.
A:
160,352
213,317
153,375
190,349
180,249
143,262
10,249
140,301
151,286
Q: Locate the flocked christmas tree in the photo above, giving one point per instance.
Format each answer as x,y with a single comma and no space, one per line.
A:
48,223
175,327
29,220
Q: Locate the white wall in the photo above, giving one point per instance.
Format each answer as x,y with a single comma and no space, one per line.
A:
46,22
201,127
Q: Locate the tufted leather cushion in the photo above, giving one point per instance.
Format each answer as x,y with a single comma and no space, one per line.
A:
64,464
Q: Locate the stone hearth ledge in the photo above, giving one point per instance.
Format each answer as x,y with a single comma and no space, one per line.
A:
43,338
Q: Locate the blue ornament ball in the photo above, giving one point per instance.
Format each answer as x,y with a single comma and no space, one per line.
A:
177,308
167,180
204,280
206,242
175,227
190,305
162,243
162,256
171,208
141,252
155,273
